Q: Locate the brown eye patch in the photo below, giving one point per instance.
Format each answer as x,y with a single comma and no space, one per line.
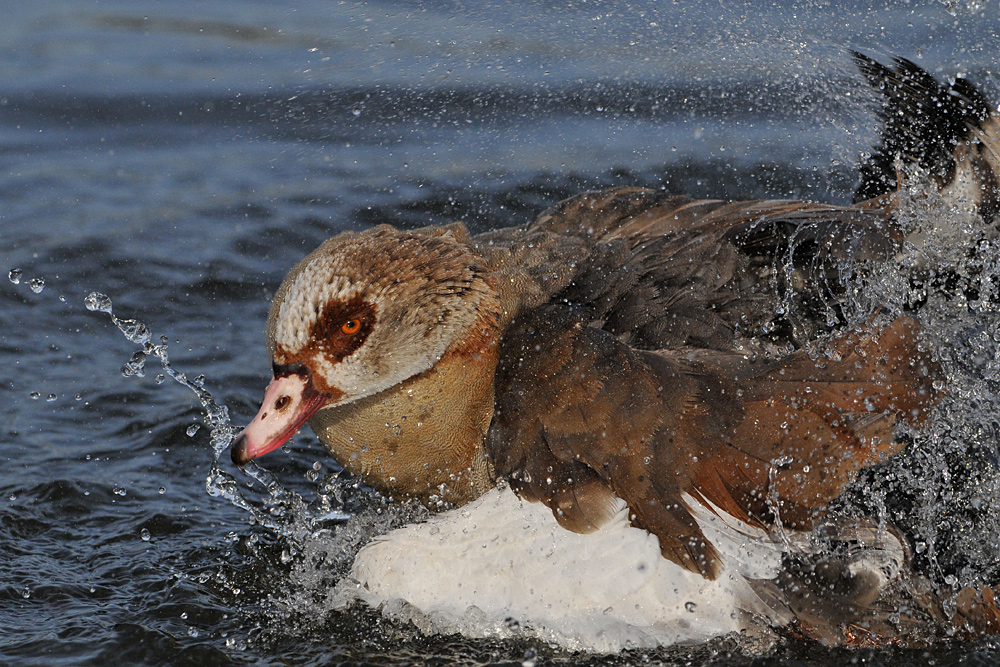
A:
343,326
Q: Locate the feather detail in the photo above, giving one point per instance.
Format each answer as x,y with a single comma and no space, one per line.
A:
765,441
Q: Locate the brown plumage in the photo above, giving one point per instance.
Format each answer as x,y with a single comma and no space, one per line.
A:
581,415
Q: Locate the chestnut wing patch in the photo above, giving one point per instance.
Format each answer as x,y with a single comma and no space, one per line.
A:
812,424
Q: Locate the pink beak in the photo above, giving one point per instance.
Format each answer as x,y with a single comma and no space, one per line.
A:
289,402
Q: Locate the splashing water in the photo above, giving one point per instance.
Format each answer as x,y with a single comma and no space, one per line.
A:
318,556
942,489
37,285
283,511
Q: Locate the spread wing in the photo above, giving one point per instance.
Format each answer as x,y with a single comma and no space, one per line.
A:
582,417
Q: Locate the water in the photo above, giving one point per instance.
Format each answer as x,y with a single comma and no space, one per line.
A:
180,157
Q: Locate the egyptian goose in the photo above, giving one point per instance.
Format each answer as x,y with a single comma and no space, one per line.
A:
636,408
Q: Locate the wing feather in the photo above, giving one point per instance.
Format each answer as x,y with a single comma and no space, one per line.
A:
582,418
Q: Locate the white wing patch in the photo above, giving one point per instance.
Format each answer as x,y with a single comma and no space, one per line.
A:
479,568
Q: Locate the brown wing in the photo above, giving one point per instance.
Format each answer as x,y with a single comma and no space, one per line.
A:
574,405
581,417
660,271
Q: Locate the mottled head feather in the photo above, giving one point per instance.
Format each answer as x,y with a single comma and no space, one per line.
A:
415,294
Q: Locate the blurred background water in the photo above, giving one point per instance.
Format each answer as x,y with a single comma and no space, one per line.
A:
181,156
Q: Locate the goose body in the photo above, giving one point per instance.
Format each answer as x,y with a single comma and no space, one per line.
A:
634,410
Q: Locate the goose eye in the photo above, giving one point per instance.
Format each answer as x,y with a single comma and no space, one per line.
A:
351,327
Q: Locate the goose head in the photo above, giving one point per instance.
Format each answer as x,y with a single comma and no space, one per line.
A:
362,313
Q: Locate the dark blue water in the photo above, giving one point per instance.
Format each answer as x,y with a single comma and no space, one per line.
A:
180,157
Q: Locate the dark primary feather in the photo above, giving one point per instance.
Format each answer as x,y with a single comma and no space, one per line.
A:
923,120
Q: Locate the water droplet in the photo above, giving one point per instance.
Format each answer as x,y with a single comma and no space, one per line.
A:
36,285
144,534
35,395
192,429
135,331
160,377
513,625
691,606
184,615
136,366
199,381
118,490
15,276
96,301
356,111
51,397
78,397
26,592
161,490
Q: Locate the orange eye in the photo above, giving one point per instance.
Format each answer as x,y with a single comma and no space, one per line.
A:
351,327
